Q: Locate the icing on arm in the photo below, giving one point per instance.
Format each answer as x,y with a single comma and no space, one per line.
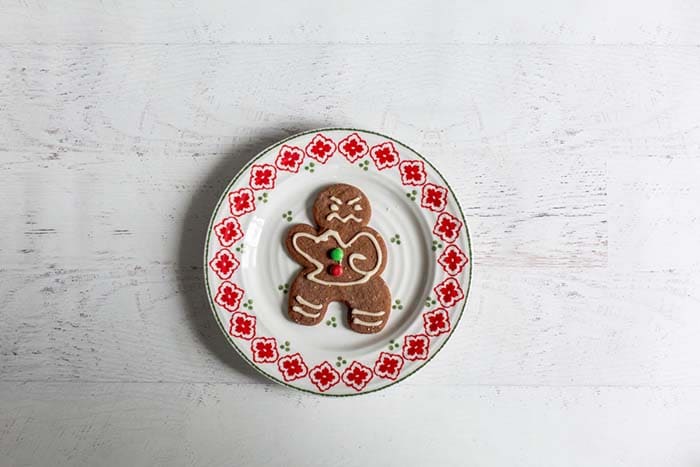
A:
366,274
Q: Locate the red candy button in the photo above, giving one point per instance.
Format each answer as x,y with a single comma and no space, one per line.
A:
335,270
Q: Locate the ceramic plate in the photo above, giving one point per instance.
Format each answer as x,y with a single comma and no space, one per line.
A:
248,270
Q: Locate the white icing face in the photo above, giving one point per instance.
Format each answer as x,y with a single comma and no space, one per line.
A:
347,208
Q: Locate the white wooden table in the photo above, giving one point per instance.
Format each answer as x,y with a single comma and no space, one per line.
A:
571,134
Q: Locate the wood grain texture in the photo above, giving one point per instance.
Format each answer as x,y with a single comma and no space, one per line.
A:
576,164
204,424
362,22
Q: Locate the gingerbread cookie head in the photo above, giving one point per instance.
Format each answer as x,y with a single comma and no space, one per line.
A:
341,207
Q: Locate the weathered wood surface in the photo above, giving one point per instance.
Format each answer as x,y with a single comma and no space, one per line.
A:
145,424
571,138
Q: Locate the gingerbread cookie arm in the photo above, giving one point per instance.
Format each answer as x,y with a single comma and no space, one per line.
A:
301,244
380,255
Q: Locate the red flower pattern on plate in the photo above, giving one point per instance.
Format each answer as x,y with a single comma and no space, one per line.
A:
264,350
241,201
224,263
416,347
289,158
453,260
357,376
447,227
228,231
388,365
324,376
262,177
242,325
436,322
229,296
292,367
353,147
384,155
434,197
413,173
320,148
449,292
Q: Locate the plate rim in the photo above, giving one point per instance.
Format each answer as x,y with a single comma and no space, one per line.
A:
223,196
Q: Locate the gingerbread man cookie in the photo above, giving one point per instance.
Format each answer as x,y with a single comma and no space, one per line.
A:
342,261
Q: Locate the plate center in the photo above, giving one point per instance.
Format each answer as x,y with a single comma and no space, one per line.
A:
267,268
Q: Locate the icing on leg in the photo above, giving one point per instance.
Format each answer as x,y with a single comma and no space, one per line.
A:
307,311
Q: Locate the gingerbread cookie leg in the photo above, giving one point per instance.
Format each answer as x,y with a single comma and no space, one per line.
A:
369,306
304,305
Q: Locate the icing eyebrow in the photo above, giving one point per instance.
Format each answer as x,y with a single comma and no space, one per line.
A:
333,198
334,207
354,200
357,207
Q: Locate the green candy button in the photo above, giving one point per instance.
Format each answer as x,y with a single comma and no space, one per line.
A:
336,254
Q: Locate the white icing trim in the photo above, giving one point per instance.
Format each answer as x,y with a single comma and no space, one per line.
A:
367,275
368,313
334,207
333,198
335,215
354,200
367,323
301,311
301,300
357,207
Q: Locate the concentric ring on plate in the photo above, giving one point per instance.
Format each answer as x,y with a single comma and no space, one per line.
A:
248,271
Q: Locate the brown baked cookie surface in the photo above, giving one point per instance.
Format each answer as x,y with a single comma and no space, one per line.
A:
342,261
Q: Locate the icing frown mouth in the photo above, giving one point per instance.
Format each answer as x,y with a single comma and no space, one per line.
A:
335,215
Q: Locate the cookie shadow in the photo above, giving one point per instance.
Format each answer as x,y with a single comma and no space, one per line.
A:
193,236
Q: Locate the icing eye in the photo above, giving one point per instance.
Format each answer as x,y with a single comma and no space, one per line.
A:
334,207
357,207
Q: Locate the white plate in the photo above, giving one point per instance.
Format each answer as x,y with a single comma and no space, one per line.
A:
247,268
